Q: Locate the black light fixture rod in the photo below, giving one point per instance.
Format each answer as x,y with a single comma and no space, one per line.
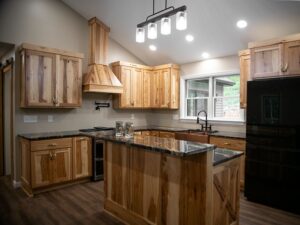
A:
153,7
159,17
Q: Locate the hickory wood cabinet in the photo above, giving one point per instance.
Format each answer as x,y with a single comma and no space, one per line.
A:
147,87
50,78
50,162
275,58
233,144
244,76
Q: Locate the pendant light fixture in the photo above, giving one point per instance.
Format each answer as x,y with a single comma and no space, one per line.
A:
163,16
140,35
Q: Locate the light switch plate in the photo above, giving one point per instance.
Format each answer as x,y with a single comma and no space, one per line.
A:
30,119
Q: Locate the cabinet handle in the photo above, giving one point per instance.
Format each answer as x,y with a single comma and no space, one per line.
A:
50,156
54,156
226,143
52,145
284,68
82,138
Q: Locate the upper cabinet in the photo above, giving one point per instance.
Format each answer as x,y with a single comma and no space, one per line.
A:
50,78
266,61
244,76
291,60
147,87
277,57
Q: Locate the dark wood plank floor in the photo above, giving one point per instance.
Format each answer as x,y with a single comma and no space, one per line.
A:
83,204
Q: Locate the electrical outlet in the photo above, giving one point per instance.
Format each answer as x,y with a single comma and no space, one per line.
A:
30,119
50,118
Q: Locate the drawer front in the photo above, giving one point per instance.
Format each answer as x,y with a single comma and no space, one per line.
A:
164,134
51,144
230,143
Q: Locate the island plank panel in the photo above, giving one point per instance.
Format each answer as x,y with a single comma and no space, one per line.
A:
148,187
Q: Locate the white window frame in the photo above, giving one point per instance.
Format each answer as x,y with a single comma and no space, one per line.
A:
210,110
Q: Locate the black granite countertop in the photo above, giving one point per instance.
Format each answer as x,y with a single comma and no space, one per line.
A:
227,134
164,145
50,135
222,155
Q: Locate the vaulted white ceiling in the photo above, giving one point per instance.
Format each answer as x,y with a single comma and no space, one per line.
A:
211,22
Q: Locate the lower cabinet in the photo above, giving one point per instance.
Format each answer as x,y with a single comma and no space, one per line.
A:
46,163
233,144
82,157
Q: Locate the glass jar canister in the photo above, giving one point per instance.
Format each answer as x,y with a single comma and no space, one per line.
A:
119,128
129,130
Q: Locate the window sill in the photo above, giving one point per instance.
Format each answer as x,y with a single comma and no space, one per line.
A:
214,121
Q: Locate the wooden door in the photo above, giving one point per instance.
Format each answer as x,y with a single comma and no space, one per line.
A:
266,61
174,89
82,157
137,88
244,76
39,79
68,82
154,89
41,168
291,62
164,88
147,76
125,99
62,165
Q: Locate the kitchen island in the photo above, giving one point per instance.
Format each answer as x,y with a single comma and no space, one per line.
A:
152,180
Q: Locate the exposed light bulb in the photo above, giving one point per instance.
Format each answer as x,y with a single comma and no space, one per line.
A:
189,37
140,35
152,47
165,26
242,24
152,30
181,20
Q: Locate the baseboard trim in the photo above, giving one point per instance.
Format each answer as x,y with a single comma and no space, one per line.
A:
16,184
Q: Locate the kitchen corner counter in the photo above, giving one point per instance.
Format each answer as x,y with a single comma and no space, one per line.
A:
163,145
222,155
50,135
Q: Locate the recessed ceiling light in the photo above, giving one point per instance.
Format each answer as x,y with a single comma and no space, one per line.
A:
205,55
241,24
152,47
189,37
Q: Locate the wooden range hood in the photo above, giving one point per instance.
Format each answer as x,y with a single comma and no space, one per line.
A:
100,77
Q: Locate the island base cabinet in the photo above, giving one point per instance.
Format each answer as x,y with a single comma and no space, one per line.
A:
144,187
226,193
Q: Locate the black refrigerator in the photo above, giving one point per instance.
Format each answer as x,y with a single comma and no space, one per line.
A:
272,174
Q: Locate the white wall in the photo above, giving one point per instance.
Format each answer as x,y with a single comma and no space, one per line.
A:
53,24
219,65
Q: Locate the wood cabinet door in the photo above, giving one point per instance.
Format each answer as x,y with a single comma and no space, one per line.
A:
41,168
244,77
39,79
147,76
266,61
137,88
291,62
61,165
125,99
68,82
174,89
82,157
154,89
164,88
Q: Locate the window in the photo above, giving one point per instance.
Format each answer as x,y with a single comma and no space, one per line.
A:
219,96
